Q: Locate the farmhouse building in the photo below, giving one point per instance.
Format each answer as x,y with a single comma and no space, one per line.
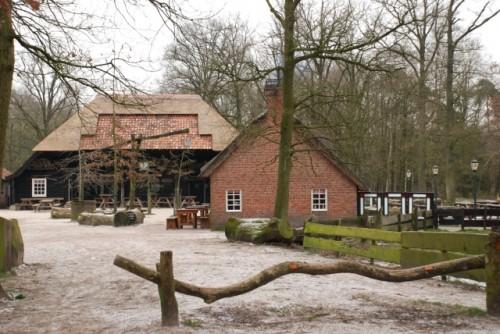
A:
46,175
243,177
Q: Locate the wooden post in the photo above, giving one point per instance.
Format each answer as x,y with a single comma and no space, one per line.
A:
166,288
492,269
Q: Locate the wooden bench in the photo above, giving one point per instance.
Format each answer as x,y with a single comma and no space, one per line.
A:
204,221
171,223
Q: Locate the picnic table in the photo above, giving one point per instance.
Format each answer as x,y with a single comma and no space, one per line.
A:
46,204
105,200
188,201
202,209
28,203
187,217
34,202
163,200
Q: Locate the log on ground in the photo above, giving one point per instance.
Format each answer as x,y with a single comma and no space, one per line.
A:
60,213
121,218
95,219
256,231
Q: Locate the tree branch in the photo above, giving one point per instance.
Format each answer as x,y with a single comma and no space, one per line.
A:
210,295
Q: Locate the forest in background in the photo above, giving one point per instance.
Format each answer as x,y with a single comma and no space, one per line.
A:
384,107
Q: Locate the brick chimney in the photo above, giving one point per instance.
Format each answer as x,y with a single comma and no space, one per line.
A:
274,100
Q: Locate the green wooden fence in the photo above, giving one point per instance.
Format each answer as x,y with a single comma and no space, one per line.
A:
408,249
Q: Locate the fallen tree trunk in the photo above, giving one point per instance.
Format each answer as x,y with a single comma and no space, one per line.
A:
95,219
210,295
257,231
60,213
121,218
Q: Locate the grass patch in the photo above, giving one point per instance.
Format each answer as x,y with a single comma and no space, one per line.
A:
193,323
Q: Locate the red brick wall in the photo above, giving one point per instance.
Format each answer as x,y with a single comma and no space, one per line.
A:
252,168
148,125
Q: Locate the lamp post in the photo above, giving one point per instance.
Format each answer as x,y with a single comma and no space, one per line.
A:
408,180
474,166
144,166
435,172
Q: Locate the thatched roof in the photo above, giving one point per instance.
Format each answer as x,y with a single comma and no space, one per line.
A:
210,123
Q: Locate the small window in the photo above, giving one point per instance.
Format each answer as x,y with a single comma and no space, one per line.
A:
233,200
39,187
319,200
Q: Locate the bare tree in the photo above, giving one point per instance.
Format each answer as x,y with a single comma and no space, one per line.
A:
297,50
208,58
50,31
44,101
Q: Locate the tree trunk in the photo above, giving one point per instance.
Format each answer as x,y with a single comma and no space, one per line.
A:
121,218
96,219
6,71
450,112
77,207
11,245
60,213
257,232
286,131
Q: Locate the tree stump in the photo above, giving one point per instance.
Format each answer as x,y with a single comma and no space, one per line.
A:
11,245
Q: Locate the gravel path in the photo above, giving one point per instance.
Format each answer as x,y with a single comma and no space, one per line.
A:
71,286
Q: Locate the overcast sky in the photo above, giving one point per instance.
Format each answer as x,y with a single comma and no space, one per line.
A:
147,40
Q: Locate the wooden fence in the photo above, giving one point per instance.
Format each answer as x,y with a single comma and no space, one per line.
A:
409,249
467,217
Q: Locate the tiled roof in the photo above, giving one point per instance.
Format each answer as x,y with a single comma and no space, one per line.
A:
148,125
152,111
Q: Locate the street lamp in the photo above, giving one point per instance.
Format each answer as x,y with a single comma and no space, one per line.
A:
408,180
474,166
435,172
144,166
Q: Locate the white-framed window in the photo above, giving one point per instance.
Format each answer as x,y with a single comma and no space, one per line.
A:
233,200
39,187
319,200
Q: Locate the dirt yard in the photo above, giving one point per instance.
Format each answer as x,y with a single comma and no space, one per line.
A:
71,286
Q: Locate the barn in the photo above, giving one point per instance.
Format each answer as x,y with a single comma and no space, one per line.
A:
52,171
243,177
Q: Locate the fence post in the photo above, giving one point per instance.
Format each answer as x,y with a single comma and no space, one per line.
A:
493,274
166,289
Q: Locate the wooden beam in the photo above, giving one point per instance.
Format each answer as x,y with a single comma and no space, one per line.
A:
166,289
210,295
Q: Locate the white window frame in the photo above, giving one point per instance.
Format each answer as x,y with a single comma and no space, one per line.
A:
316,191
36,181
234,192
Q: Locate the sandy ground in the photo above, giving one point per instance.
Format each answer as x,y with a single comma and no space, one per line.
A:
71,286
